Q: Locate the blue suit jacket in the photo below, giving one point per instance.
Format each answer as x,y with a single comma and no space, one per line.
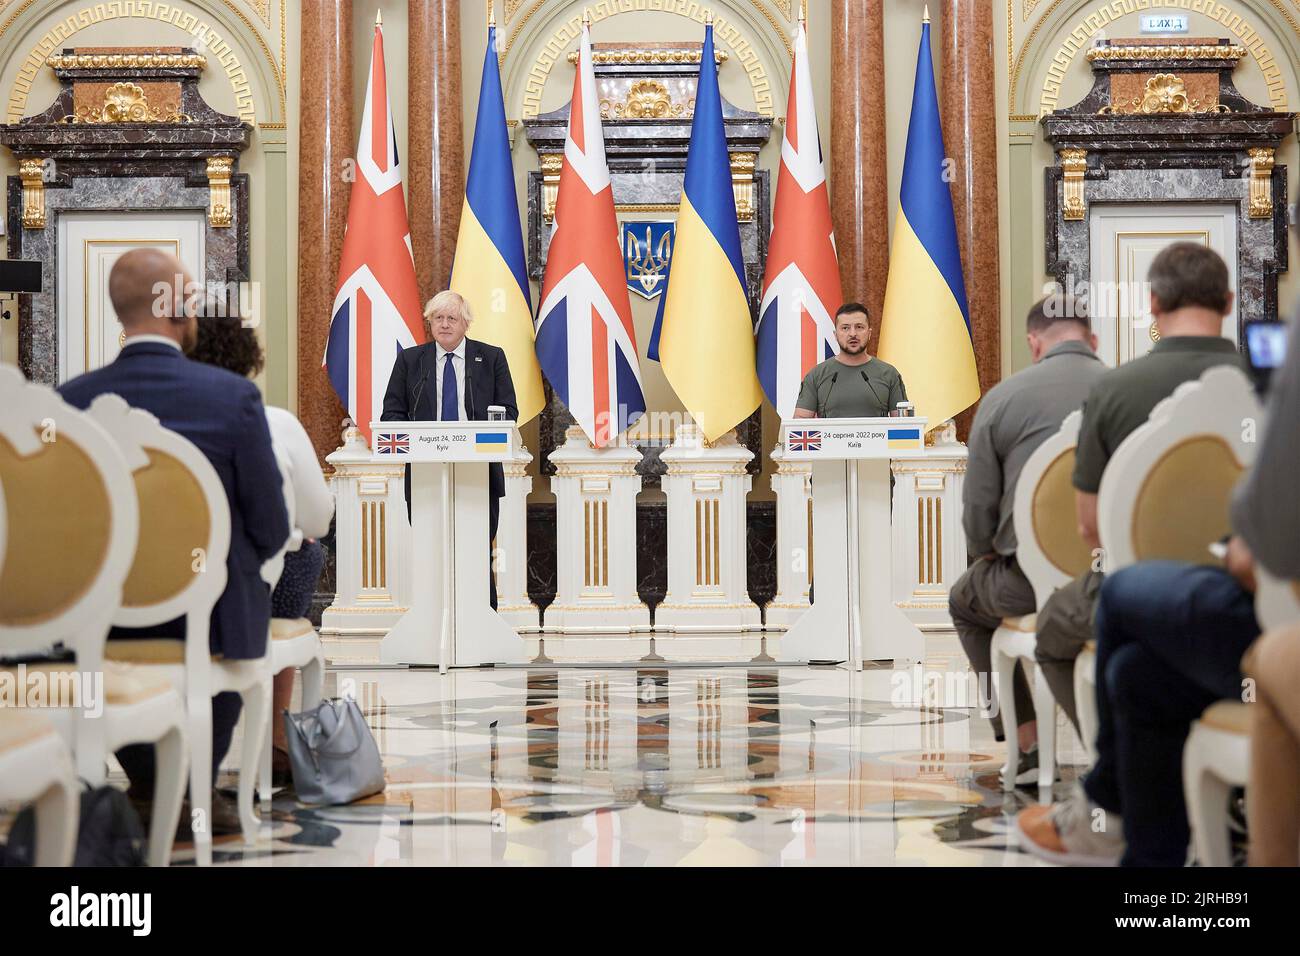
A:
222,414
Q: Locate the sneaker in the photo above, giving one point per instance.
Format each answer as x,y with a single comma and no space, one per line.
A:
1064,832
1026,767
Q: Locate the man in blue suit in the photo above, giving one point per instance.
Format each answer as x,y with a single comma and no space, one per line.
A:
222,414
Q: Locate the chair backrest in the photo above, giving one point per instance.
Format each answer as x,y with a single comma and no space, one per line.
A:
1167,488
71,519
1277,602
1048,547
179,565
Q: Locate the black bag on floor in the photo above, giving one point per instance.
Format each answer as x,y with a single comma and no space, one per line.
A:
109,832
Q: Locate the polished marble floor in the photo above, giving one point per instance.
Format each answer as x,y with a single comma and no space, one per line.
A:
654,766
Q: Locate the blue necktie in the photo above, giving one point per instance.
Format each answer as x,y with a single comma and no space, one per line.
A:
450,403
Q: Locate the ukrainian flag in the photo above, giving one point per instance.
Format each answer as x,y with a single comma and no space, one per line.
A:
489,266
706,343
925,331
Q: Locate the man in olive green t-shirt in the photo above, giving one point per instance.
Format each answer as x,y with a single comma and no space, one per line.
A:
1190,297
851,384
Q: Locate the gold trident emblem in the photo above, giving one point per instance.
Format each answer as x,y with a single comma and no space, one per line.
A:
647,263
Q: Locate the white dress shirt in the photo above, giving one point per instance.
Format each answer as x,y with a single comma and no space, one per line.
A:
138,339
458,363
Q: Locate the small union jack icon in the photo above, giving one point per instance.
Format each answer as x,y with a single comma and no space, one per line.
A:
806,440
393,444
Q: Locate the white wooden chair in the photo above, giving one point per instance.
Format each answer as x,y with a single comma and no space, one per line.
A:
181,571
35,768
1217,755
1050,553
1166,494
72,531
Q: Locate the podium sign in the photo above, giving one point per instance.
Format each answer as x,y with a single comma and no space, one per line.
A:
453,442
848,438
450,621
853,617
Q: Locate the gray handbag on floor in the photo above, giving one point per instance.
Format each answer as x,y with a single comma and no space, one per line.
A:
332,753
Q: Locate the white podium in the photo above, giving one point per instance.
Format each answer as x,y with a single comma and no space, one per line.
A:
450,622
853,617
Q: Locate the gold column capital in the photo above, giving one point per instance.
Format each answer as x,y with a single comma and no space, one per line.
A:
1074,163
220,214
32,172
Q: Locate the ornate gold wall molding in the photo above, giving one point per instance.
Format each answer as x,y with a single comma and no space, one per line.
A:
725,30
208,38
1261,183
1080,36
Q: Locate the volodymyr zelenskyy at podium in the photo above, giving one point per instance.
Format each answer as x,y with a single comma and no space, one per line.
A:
854,383
452,378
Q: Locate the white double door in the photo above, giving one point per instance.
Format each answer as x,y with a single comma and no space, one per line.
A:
89,244
1124,240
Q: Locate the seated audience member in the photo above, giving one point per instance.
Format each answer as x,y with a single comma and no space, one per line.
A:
1190,296
1014,418
1266,512
222,414
226,343
1170,639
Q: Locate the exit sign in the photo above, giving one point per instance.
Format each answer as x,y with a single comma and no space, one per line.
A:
1165,23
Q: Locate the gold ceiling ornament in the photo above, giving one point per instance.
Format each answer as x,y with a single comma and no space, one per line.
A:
634,57
647,100
32,173
219,208
1261,182
1165,93
1190,51
127,61
1074,163
126,103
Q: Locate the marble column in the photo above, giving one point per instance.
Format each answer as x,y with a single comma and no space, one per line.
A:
326,138
858,177
436,184
969,112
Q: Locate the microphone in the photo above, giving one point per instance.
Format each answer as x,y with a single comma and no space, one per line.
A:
821,410
863,373
419,389
470,404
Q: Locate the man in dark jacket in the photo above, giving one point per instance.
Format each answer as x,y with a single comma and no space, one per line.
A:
453,378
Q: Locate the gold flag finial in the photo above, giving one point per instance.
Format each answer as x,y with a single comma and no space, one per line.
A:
926,16
803,12
492,13
379,18
586,17
708,18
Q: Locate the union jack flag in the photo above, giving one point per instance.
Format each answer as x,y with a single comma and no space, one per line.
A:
585,338
377,304
801,286
392,444
806,440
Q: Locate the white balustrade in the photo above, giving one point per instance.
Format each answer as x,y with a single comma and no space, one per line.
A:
928,540
510,554
706,487
792,484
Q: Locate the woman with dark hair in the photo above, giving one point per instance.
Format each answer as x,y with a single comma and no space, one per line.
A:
227,343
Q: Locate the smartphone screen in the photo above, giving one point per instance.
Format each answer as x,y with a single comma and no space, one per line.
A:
1266,344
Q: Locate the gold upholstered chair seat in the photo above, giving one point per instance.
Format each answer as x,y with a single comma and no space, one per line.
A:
1229,716
288,628
124,684
21,726
148,650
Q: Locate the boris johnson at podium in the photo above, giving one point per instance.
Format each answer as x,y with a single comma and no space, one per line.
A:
452,378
